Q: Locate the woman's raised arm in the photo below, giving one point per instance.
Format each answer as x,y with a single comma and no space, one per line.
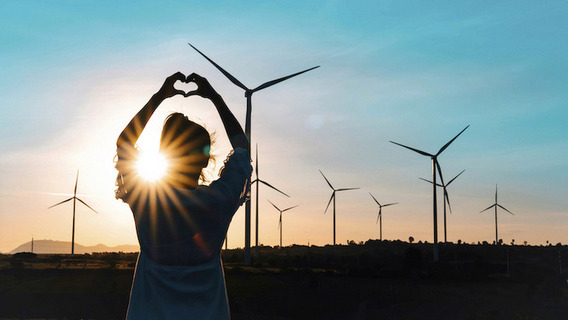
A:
132,132
233,128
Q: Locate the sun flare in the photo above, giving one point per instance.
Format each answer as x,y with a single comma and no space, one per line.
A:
151,166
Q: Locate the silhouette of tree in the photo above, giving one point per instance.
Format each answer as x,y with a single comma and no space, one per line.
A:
411,239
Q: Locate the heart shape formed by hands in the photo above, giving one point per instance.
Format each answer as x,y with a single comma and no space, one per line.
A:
185,86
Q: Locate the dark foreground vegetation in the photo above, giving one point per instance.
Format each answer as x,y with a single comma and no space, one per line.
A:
375,280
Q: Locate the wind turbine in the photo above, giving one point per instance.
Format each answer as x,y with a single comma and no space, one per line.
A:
333,198
435,165
75,199
258,182
280,222
248,95
447,199
500,206
380,216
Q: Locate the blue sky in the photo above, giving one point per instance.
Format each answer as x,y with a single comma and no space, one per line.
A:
74,74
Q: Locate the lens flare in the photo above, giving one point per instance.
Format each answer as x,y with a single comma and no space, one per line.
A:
151,166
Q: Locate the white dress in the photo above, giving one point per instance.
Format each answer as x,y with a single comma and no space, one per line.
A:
179,273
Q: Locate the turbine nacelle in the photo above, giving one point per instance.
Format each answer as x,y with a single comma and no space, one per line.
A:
496,204
334,191
444,188
257,180
381,206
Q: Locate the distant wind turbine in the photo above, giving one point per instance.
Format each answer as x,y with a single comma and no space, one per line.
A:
380,216
258,181
435,165
333,198
500,206
248,95
75,199
447,199
280,221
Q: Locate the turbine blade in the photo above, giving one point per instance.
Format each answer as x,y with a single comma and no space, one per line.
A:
228,75
495,194
415,150
252,182
332,195
378,216
345,189
268,184
447,198
389,204
83,202
500,206
290,208
61,202
327,181
439,172
273,82
76,182
375,200
491,206
256,162
455,178
448,144
273,205
439,185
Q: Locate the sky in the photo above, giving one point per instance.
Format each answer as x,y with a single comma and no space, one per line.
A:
73,74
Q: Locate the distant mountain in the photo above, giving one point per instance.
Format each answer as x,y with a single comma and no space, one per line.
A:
52,246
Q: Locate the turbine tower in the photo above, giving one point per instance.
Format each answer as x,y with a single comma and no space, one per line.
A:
380,216
280,221
435,165
248,95
75,199
496,204
258,182
333,198
447,199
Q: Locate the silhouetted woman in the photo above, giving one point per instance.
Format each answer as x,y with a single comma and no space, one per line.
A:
180,224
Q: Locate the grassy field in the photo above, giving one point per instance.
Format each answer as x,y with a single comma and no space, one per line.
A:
376,280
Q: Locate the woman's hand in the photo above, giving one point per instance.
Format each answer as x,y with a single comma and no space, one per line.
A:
132,132
167,90
204,88
234,130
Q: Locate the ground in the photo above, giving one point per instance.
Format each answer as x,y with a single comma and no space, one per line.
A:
379,280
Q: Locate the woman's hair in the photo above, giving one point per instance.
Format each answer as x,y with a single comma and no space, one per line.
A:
186,145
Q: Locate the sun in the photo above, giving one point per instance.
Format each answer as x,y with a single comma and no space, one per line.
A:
151,166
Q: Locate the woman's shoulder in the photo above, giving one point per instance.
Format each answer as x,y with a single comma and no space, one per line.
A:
237,158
